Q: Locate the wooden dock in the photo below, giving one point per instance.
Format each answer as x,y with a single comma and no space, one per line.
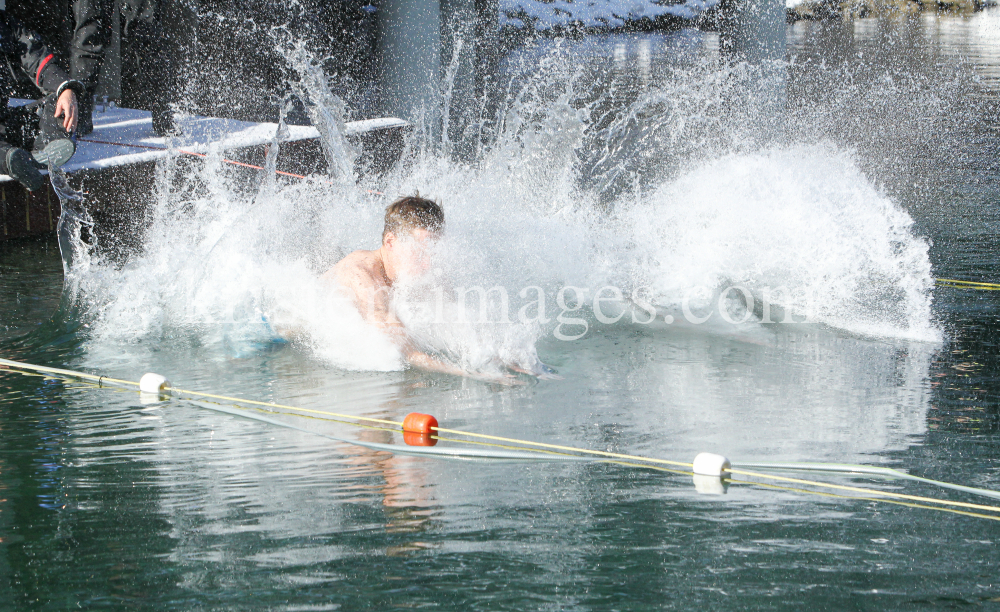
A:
23,213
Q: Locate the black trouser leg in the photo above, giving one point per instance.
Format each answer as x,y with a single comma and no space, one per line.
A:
85,114
148,72
90,37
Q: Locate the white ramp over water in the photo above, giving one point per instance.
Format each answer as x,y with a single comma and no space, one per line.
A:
124,136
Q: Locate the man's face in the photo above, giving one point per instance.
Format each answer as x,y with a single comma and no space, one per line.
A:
410,252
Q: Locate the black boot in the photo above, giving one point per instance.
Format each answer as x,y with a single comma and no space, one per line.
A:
163,121
52,146
20,166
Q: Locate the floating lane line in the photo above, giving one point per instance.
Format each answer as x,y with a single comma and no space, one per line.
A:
844,468
562,448
102,380
865,490
811,466
517,453
778,487
558,447
448,453
954,283
520,450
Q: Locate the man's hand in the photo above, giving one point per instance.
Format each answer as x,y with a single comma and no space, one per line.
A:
66,108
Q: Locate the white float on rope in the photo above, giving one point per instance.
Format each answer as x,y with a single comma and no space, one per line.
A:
153,383
709,477
710,464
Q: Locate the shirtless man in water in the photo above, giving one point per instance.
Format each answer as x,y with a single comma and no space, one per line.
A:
368,276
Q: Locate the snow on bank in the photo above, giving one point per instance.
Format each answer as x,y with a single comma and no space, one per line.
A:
594,13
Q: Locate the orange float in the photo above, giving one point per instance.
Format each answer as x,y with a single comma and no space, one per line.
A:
420,423
418,429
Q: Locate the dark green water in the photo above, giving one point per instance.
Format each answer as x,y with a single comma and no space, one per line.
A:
110,503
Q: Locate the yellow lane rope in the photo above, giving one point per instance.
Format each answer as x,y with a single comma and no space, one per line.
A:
617,458
74,374
963,284
865,490
562,448
646,460
283,407
859,498
105,379
399,429
731,471
664,469
524,444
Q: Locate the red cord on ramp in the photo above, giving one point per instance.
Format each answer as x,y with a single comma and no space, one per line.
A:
228,161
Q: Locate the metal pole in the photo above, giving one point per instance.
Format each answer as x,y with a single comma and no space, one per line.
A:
458,34
409,47
753,31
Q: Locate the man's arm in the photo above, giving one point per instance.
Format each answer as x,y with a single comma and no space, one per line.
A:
373,300
377,311
39,62
417,358
424,361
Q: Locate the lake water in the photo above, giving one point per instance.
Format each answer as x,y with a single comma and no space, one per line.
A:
633,162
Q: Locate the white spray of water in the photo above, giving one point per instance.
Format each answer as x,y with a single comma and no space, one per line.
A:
326,110
799,224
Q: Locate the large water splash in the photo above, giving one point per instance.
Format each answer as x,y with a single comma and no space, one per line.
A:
672,197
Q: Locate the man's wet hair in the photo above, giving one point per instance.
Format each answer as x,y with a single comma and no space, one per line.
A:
411,212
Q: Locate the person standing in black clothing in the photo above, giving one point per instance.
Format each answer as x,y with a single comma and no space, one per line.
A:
147,70
149,76
43,128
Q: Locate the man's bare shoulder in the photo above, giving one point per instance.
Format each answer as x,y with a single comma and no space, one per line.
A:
359,267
